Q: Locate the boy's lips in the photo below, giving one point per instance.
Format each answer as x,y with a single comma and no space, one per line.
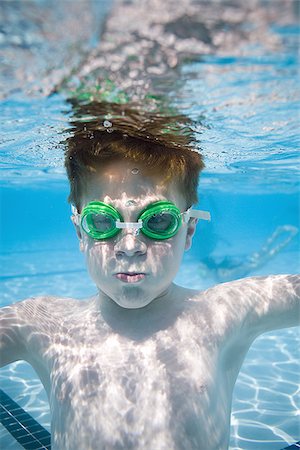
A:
130,277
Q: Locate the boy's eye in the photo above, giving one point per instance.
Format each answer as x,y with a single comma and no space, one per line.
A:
102,222
161,222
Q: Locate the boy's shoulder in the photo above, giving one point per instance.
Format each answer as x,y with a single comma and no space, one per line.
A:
48,302
38,310
29,324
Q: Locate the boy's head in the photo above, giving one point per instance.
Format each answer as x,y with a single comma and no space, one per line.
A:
129,168
104,133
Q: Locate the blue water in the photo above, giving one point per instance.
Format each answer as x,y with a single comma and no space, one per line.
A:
246,111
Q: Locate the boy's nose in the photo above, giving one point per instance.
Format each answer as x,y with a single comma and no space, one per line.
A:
130,245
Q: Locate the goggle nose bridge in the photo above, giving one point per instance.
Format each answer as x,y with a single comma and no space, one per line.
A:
134,226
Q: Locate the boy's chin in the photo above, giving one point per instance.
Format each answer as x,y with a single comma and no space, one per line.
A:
132,306
132,298
132,303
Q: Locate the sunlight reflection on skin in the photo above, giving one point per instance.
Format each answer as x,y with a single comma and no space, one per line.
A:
127,373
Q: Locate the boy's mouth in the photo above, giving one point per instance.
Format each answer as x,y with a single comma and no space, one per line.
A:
130,277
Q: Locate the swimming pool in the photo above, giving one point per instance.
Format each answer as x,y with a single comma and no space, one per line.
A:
245,109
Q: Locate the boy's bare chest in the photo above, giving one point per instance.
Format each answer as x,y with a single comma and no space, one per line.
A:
135,388
169,357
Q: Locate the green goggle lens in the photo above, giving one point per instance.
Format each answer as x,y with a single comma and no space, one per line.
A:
98,220
160,220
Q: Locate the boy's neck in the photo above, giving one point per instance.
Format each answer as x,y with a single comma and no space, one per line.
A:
140,323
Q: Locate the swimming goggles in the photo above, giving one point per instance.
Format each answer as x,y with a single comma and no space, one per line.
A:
159,220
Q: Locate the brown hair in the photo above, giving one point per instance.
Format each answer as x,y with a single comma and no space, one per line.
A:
103,133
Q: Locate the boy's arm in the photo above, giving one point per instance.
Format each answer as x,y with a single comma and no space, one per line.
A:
276,302
265,303
12,343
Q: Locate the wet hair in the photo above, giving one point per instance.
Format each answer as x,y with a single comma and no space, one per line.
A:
102,133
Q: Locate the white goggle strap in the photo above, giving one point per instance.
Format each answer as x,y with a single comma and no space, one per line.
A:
76,215
197,214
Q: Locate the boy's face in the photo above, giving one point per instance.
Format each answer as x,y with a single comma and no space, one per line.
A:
133,269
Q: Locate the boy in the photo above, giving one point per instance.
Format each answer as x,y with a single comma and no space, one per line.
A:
145,364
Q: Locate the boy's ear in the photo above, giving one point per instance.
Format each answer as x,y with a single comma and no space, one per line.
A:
78,232
191,228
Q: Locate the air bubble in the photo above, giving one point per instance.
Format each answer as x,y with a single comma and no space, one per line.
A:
130,203
107,124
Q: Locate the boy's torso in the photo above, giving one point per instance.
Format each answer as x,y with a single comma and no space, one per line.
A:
159,381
